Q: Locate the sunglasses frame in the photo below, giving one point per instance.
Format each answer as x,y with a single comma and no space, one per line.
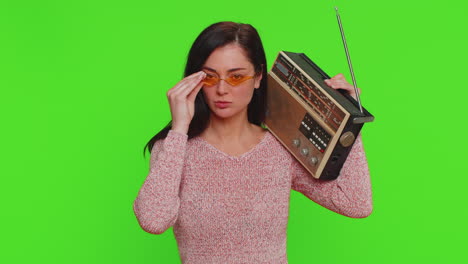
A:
227,80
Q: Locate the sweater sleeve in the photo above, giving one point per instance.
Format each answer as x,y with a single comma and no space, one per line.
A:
157,204
350,194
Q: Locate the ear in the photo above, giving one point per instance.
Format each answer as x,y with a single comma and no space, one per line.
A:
257,81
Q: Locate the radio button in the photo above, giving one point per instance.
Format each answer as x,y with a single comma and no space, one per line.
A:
313,160
296,142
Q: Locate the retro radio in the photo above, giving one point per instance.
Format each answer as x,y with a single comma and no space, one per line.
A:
316,123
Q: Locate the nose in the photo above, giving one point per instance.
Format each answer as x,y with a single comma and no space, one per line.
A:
222,87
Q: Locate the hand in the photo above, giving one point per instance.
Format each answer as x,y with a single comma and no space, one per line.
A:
181,99
339,82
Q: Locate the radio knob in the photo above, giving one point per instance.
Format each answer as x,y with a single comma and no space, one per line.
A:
305,151
313,160
347,139
296,142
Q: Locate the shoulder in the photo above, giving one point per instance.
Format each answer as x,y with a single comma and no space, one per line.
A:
275,146
272,140
173,141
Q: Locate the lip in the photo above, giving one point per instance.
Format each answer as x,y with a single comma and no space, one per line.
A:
222,104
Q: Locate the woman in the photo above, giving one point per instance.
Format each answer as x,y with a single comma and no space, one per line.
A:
220,179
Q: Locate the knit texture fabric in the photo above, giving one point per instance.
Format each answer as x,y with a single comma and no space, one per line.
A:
228,209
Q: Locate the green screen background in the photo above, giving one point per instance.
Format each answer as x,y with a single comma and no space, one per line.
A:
82,89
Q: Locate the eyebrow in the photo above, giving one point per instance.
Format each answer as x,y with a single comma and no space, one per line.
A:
230,70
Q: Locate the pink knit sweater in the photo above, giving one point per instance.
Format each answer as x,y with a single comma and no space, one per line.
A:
227,209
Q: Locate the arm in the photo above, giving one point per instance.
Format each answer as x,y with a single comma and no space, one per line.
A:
349,195
157,204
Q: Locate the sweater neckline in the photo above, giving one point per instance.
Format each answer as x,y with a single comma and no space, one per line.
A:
243,155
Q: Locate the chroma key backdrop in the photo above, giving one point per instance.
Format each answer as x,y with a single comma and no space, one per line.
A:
83,88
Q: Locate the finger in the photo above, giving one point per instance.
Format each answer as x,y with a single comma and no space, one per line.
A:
187,83
339,82
194,84
336,84
191,97
188,96
339,76
189,78
196,75
330,82
343,85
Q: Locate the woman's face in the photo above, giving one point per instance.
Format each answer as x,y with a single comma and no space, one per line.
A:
227,98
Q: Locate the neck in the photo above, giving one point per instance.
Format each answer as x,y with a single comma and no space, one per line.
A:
228,129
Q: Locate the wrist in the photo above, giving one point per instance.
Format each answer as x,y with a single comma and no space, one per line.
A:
180,129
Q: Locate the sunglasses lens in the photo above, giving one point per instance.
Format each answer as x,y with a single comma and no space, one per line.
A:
210,80
236,79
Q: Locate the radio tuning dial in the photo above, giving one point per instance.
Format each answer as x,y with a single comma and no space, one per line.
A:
347,139
305,151
313,160
296,142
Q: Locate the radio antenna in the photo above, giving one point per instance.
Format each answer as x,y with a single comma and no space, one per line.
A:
348,58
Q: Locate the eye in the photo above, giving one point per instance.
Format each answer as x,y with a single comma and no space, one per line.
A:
210,76
210,79
237,77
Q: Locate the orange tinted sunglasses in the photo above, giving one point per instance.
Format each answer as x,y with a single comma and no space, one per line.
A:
233,79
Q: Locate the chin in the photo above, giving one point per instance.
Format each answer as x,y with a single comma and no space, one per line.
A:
222,113
227,113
